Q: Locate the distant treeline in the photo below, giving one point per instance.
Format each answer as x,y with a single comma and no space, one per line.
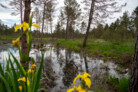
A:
5,30
122,28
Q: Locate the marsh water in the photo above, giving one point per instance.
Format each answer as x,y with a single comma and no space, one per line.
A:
61,66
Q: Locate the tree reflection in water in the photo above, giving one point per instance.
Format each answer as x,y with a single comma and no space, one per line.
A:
48,72
70,70
86,64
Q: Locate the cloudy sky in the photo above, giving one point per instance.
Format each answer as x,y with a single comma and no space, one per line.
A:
7,18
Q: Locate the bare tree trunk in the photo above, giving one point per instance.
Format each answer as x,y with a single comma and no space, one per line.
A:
86,64
47,25
24,40
43,23
67,28
21,11
133,87
51,26
89,22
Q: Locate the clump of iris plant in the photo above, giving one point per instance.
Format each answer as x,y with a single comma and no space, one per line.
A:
18,79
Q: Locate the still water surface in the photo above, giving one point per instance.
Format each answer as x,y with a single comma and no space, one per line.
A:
61,66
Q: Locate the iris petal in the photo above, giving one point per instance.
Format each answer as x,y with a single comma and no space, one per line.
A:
88,82
79,89
86,75
17,27
35,25
78,76
71,89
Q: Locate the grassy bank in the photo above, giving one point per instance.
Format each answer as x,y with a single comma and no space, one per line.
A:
122,51
10,38
7,38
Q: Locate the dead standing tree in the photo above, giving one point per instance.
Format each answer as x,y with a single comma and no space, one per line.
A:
98,11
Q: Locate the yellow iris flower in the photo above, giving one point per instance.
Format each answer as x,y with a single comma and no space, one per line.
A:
30,71
33,66
28,82
16,42
79,89
20,87
24,80
25,26
85,77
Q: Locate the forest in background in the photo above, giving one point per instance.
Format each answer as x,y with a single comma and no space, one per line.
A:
122,29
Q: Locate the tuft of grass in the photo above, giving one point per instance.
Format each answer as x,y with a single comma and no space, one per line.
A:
122,84
113,80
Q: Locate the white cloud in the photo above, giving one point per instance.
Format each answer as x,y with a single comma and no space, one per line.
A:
6,14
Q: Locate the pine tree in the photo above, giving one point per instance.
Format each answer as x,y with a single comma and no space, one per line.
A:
71,12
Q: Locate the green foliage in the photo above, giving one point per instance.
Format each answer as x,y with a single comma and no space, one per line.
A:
22,71
38,76
29,41
113,80
10,77
122,84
